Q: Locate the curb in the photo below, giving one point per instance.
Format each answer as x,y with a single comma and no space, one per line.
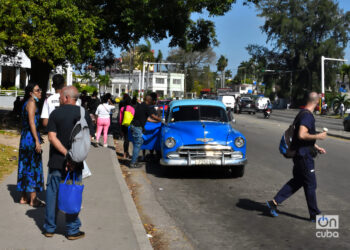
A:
134,217
338,136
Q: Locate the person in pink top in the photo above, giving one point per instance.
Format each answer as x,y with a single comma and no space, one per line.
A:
127,107
103,119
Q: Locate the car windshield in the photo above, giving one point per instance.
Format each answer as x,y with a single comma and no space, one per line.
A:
163,102
198,113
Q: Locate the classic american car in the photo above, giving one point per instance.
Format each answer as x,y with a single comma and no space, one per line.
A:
200,132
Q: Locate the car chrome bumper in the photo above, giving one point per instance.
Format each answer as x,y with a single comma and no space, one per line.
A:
199,162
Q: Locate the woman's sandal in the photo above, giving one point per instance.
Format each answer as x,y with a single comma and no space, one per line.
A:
38,203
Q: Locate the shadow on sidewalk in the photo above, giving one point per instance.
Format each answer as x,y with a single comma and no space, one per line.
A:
251,205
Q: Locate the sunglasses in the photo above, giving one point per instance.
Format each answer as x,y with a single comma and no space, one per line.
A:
37,90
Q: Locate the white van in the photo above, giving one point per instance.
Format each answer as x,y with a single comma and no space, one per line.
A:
228,101
261,102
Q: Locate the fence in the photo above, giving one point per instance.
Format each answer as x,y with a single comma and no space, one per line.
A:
14,93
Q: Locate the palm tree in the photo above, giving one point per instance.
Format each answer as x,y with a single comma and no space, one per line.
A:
159,59
222,64
103,80
338,100
345,70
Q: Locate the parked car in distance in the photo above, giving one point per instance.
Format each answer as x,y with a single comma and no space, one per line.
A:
247,106
261,103
190,137
228,101
346,123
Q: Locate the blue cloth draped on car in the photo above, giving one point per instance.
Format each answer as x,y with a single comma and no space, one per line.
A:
151,136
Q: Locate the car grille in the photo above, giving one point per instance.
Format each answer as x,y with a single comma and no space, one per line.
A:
205,151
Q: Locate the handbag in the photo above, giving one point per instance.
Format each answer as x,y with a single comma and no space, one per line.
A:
127,117
70,196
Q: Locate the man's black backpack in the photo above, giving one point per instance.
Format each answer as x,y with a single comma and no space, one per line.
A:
286,147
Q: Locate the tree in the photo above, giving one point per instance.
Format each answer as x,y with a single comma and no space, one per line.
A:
338,100
49,32
192,63
159,58
83,32
302,31
221,65
103,80
344,71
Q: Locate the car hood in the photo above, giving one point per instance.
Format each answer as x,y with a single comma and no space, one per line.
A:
195,132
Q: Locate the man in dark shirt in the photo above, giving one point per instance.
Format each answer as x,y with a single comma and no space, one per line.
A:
60,126
142,112
304,169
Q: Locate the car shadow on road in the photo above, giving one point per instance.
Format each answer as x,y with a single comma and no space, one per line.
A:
251,205
200,172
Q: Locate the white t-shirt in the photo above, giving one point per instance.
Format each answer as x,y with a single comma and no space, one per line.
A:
103,110
50,104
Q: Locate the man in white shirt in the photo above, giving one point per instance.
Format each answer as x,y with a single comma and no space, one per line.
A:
52,101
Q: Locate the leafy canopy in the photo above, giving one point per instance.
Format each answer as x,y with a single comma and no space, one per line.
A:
53,31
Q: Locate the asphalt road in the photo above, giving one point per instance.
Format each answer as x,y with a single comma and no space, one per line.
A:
321,122
215,211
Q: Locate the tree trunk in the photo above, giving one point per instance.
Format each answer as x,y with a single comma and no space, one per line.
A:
39,73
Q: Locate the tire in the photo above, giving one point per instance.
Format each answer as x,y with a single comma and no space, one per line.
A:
249,112
237,171
253,113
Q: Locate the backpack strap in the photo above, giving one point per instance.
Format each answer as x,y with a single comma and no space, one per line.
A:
82,114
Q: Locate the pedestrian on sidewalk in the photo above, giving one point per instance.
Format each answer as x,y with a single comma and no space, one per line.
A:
342,109
52,101
103,119
30,177
142,112
124,128
304,174
61,123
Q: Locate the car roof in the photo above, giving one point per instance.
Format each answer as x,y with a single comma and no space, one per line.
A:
199,102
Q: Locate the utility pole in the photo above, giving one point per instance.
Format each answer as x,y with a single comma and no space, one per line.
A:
322,71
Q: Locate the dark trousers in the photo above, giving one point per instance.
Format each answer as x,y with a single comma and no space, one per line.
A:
303,176
126,139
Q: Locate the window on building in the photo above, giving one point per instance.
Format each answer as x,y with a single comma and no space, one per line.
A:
160,80
176,81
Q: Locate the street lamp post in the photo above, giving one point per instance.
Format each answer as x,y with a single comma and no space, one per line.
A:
322,71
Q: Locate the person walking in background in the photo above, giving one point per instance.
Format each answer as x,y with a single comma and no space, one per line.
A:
342,109
30,170
304,167
103,119
124,128
52,101
60,126
142,112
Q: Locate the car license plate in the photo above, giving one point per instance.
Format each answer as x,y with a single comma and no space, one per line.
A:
205,162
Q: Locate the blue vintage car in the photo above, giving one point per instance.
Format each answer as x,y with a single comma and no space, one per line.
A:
200,132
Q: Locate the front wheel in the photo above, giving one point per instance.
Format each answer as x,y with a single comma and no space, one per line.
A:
237,171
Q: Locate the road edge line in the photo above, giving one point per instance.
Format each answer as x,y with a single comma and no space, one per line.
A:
139,230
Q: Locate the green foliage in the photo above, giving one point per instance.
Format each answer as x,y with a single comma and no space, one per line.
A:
87,88
51,31
222,63
301,31
338,100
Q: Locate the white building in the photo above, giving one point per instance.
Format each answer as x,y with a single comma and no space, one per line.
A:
244,88
14,70
163,83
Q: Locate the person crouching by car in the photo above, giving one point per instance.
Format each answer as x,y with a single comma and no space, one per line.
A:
142,112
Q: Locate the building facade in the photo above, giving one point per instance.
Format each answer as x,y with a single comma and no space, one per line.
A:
167,85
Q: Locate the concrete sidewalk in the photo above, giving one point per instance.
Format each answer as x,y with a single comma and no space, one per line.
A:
109,216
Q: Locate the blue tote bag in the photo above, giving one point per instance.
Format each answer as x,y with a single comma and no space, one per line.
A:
70,196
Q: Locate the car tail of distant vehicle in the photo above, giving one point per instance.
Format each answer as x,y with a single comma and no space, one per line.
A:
228,101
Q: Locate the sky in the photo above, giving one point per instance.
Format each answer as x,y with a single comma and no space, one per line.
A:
235,31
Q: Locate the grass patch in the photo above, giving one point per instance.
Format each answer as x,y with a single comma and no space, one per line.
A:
9,132
8,160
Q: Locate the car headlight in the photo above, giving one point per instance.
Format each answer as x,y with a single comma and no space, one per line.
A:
170,142
239,142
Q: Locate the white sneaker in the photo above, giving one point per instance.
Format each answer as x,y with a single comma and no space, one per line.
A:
105,145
